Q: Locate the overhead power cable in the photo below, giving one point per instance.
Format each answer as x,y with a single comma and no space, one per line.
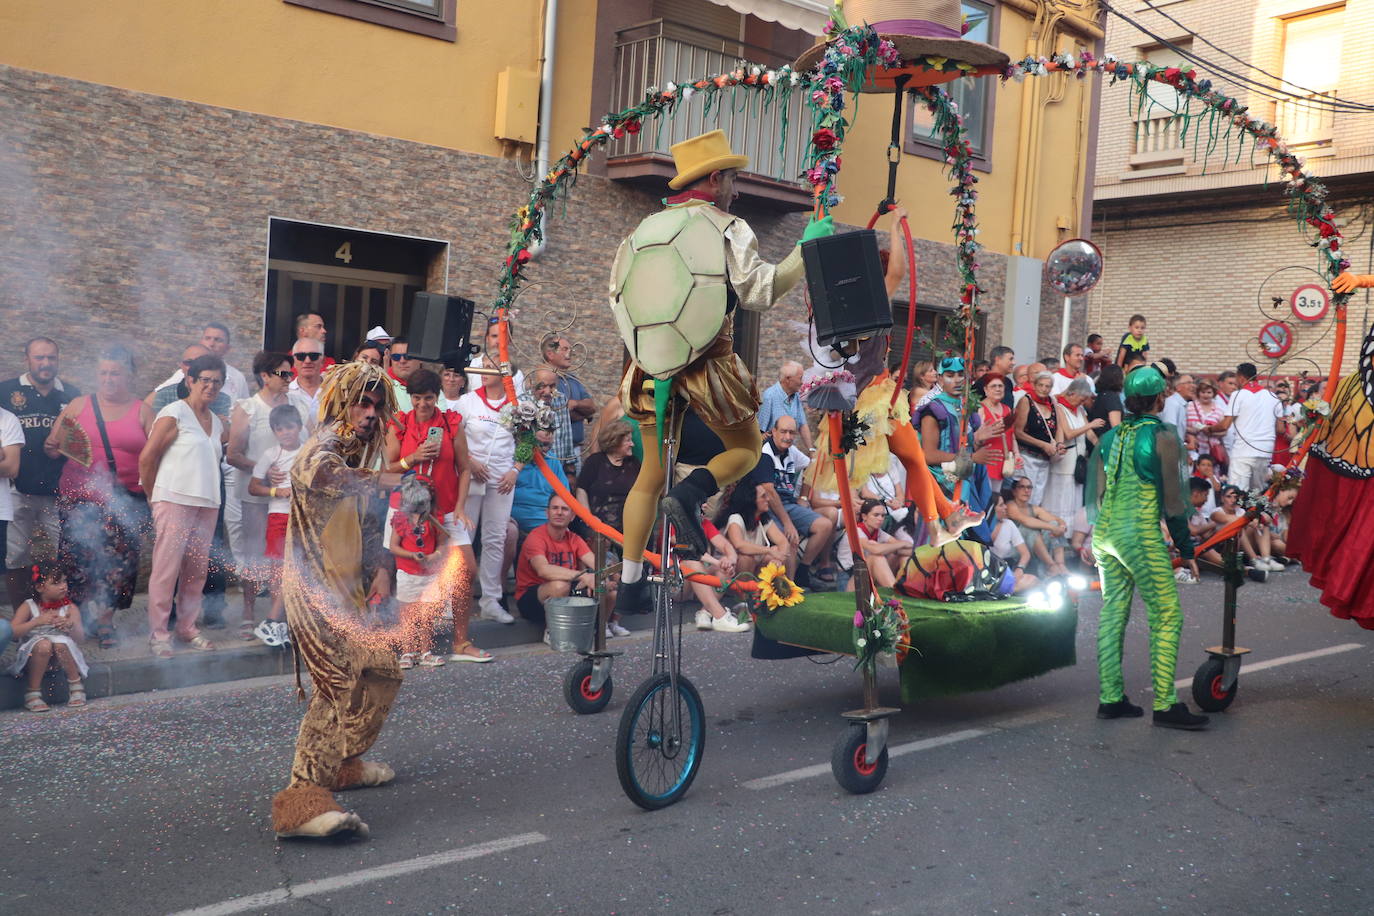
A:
1257,87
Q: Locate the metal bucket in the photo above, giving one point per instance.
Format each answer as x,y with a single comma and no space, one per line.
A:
571,622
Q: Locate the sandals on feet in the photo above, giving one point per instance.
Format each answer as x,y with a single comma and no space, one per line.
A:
408,660
246,628
430,660
200,644
33,701
161,648
76,693
467,652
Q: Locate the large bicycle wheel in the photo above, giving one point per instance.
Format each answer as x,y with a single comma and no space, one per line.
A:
655,762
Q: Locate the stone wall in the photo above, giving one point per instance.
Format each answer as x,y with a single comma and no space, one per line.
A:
136,218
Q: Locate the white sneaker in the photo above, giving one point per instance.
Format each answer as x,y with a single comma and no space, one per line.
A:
497,613
283,632
615,629
1273,565
546,639
729,624
267,632
704,619
1184,576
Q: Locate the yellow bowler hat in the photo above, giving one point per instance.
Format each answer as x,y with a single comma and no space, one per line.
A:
700,156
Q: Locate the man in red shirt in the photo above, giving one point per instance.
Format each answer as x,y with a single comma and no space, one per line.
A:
553,562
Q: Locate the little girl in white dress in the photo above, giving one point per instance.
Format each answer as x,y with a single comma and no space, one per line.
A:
48,627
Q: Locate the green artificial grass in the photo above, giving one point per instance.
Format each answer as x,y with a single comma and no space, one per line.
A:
956,648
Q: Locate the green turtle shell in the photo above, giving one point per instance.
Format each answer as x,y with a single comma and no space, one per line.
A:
669,287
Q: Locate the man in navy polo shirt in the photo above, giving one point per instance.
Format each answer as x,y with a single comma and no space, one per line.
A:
36,398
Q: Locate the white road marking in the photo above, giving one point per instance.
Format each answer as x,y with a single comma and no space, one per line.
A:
1248,667
380,873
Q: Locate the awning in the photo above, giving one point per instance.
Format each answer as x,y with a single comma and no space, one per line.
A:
809,16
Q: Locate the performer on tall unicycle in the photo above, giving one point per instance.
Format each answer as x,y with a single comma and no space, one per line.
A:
675,284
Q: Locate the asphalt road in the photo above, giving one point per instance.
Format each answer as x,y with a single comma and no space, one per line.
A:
507,802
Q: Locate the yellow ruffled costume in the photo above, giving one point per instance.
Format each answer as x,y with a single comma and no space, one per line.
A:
874,407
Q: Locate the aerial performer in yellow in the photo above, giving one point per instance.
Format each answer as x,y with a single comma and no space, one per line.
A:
1332,532
675,284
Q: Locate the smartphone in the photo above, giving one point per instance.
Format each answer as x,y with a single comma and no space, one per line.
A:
435,435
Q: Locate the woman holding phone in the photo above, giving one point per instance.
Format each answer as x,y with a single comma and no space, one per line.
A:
430,443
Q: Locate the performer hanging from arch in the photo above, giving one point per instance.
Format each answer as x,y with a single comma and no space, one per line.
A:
726,273
1332,532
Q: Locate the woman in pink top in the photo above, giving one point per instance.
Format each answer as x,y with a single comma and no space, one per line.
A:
104,510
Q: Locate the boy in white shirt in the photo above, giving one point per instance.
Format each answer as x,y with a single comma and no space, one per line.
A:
272,478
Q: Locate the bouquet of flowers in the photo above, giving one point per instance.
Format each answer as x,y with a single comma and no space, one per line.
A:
876,635
523,418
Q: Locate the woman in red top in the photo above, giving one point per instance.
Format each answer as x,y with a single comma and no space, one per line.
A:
104,510
993,410
442,460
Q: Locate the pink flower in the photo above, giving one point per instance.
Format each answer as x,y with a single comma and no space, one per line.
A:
858,618
819,97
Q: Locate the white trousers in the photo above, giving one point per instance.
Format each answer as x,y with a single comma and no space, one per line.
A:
493,510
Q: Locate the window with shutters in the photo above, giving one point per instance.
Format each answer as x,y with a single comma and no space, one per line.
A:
1158,140
1311,70
434,18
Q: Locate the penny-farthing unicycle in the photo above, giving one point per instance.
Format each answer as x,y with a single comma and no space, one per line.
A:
662,730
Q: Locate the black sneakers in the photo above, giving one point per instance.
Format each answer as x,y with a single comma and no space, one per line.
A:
1180,716
633,598
682,506
1121,709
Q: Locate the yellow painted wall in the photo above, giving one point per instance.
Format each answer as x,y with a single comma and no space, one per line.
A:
1058,154
270,57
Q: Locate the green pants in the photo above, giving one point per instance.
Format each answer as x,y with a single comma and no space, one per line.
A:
1130,554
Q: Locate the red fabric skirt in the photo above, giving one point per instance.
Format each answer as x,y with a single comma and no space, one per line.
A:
1332,533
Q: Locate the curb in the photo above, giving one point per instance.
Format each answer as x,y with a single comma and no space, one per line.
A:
238,662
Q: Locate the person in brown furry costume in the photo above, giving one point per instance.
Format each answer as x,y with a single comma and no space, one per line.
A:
335,568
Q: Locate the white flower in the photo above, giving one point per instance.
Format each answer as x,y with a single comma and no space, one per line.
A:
796,77
860,642
755,70
670,86
687,93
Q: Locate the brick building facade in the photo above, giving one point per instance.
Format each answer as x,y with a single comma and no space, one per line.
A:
136,218
1202,245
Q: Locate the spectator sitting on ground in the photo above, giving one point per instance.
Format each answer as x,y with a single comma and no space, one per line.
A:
752,531
782,398
49,626
780,466
554,563
1278,521
721,561
1009,547
1205,468
883,553
1043,532
532,489
1255,540
1200,524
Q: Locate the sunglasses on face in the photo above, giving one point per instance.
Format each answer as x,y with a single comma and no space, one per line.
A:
400,357
284,374
307,357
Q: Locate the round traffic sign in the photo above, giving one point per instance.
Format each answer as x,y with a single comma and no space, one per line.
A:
1310,302
1275,339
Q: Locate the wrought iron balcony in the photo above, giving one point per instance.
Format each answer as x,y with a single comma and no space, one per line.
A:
658,52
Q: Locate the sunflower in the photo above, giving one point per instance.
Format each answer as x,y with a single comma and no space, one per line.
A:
776,590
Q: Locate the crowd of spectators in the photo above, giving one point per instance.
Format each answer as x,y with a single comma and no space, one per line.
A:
196,477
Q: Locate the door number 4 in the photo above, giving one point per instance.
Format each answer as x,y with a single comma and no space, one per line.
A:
345,253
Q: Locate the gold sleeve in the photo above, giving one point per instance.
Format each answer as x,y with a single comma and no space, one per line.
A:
757,284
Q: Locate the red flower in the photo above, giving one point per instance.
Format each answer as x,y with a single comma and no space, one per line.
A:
824,139
1327,230
523,255
632,127
1171,74
1335,244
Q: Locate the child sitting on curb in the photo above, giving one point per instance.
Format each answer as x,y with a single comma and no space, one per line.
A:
48,627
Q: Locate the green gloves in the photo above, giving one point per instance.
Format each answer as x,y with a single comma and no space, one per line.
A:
818,228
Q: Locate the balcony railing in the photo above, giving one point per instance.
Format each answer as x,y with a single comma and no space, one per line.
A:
660,51
1300,121
1157,135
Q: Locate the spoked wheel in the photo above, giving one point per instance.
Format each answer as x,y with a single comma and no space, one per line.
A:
847,761
655,761
1207,689
577,689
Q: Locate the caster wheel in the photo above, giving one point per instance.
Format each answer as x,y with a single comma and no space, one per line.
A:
1207,691
847,763
577,689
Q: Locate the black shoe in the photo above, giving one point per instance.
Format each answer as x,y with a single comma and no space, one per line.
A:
1257,575
633,598
1121,709
1179,716
682,506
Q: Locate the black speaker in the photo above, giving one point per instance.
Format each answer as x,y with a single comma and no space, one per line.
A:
845,277
441,329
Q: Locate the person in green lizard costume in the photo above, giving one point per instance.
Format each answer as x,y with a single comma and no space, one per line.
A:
1137,474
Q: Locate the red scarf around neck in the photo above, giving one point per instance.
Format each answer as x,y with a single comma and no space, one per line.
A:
1043,402
482,393
870,533
1066,373
1253,385
689,195
54,605
1065,401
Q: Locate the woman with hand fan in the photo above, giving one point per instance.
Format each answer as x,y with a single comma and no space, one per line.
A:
104,510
